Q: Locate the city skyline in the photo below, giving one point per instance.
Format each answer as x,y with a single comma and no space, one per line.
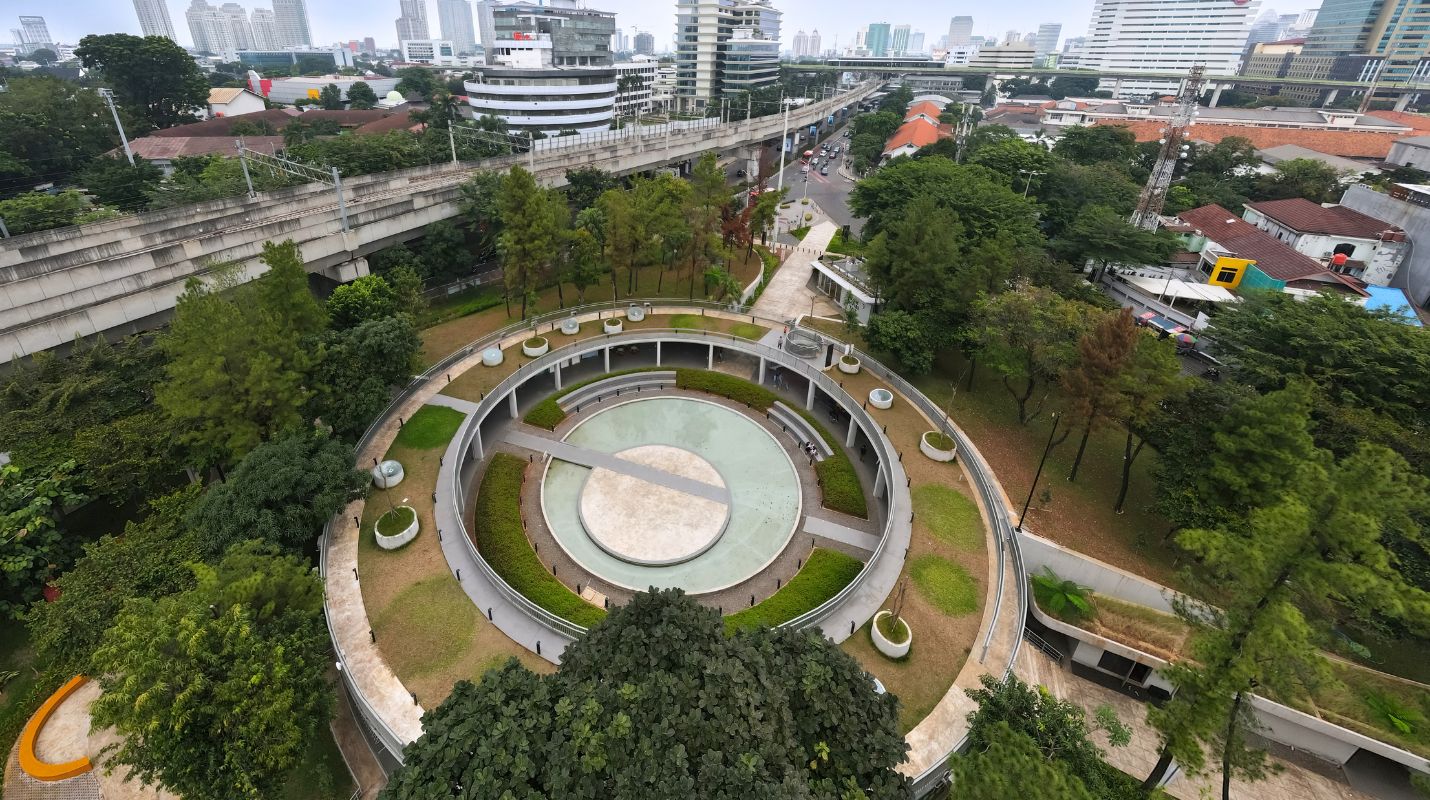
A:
837,20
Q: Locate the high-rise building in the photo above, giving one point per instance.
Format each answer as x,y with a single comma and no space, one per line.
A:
265,29
154,18
209,28
916,42
34,31
960,31
723,46
412,24
549,67
877,40
290,17
238,25
816,46
800,47
1266,28
1012,37
455,17
1165,36
1046,40
369,45
899,42
645,43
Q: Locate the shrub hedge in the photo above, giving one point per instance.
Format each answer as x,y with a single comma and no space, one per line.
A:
838,482
548,414
823,576
501,539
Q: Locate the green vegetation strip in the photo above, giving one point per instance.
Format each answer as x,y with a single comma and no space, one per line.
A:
395,521
431,426
501,539
953,518
945,584
823,576
838,482
548,414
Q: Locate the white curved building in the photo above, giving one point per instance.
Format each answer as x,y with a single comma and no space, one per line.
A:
549,67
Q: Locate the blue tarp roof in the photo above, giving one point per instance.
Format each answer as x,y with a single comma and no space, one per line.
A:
1392,299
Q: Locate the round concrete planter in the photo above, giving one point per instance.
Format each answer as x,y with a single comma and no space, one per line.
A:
849,365
570,326
492,356
936,453
387,474
407,535
635,313
612,325
883,645
535,346
881,398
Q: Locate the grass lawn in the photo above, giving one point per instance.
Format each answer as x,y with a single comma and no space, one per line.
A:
945,584
1351,701
20,694
442,339
800,232
823,575
951,517
323,775
431,426
428,629
848,247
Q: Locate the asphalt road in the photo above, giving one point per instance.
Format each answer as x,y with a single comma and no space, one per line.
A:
830,192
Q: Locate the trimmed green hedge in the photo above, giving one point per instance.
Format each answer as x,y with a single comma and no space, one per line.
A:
838,482
823,576
501,539
548,414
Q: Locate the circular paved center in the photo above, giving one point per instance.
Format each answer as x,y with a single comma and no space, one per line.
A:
671,506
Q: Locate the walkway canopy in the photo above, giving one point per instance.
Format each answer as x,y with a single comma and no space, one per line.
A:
1179,289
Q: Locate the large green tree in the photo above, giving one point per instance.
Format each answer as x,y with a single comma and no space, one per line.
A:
533,220
1023,165
1099,144
367,298
481,214
1311,552
1150,378
361,96
361,367
282,492
1092,384
1104,236
658,701
51,128
985,206
1010,767
586,184
118,184
1028,336
238,369
1299,177
151,75
219,690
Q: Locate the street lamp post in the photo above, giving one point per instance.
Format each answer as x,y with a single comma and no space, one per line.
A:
1030,173
1048,448
784,147
109,98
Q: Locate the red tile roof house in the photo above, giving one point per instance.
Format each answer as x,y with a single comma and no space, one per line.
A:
914,134
1214,232
926,110
1341,238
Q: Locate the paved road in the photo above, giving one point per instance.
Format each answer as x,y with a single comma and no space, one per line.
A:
830,192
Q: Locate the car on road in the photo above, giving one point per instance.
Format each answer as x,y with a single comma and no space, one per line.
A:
824,170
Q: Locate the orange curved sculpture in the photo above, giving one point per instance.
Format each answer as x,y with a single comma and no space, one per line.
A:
31,763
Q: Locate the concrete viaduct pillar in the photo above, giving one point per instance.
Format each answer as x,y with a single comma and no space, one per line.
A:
1216,96
1402,102
348,271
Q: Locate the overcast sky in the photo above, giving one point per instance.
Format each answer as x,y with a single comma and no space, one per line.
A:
342,20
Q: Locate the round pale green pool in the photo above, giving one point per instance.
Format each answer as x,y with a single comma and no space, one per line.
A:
763,501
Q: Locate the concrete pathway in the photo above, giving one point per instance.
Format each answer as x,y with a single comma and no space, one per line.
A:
840,533
788,296
455,403
586,457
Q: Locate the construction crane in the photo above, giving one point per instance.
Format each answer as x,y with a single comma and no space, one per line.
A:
1174,146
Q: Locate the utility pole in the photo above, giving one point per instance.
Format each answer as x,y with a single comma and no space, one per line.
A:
784,147
109,98
243,162
452,141
1174,147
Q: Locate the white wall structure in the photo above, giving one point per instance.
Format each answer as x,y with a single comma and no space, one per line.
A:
1374,247
1165,36
154,18
1004,57
290,17
637,96
430,51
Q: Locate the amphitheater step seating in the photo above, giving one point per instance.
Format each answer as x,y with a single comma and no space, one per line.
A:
799,428
642,381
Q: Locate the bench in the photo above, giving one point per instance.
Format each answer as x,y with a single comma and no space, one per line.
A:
799,428
635,381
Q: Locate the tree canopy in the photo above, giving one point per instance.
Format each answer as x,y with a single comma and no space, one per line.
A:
658,700
151,75
986,206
